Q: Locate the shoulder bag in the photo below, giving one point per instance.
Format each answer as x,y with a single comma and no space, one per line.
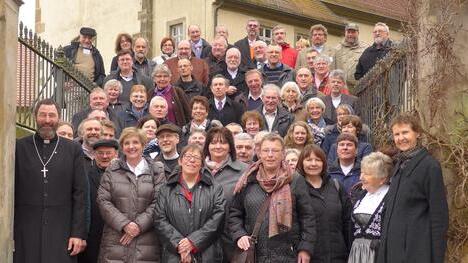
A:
248,256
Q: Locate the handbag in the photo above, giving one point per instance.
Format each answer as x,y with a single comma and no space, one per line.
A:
248,256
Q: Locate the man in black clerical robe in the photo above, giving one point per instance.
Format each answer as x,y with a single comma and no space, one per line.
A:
50,193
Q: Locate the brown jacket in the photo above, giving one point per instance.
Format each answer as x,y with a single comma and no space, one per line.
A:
181,104
200,69
122,198
299,112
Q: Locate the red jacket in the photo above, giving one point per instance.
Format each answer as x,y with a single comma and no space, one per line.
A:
289,55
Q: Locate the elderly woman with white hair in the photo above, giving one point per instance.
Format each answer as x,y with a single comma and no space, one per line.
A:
321,72
317,122
368,209
113,89
291,98
178,111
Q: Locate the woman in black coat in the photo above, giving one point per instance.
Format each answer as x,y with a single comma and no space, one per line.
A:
287,232
331,205
190,212
416,218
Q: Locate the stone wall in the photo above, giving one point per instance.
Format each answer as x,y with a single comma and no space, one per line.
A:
60,23
443,103
8,34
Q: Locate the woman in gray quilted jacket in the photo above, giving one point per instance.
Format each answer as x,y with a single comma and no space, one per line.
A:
126,199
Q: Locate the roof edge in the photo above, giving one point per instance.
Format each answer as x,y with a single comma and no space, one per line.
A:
363,11
297,18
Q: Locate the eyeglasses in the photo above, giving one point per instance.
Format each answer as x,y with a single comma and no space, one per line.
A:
165,136
267,151
190,157
104,153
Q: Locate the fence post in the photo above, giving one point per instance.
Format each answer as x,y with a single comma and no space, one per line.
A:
59,76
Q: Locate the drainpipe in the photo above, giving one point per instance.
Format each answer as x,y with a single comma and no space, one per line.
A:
217,6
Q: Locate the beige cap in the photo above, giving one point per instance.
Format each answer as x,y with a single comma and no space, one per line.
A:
352,26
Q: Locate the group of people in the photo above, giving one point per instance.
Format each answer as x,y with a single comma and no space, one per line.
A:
213,150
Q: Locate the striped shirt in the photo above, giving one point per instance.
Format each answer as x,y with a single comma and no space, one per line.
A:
273,75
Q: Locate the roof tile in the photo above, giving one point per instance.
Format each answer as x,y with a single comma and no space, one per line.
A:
308,8
388,8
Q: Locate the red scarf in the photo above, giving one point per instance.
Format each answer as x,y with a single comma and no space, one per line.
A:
185,190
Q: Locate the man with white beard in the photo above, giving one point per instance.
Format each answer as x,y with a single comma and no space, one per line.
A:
377,51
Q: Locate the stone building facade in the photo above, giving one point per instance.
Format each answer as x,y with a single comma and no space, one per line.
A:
156,19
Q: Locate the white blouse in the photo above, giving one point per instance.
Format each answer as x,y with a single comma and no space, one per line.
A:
140,168
371,201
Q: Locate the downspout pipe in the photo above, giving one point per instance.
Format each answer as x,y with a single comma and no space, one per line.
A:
217,6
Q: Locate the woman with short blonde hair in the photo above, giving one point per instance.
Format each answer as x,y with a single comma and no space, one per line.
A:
127,200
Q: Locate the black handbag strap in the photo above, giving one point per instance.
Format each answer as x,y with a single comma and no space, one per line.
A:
259,219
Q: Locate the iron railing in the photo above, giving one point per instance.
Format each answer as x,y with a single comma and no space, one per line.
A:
386,89
45,72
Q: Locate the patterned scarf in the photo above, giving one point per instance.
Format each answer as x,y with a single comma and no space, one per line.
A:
318,130
213,166
404,157
280,210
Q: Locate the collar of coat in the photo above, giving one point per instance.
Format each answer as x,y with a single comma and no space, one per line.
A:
129,108
316,191
235,165
213,103
174,178
296,108
280,113
335,167
93,49
180,83
353,45
387,44
121,164
408,169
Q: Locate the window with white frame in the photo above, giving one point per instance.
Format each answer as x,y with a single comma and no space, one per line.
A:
266,34
177,32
